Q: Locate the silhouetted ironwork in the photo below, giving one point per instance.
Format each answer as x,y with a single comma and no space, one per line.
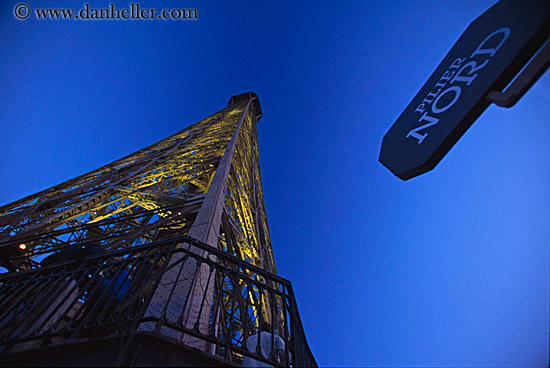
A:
168,243
108,294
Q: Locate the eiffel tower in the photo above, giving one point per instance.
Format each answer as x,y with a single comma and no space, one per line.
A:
160,258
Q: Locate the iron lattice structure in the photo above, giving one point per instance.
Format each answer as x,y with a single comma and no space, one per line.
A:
153,194
190,208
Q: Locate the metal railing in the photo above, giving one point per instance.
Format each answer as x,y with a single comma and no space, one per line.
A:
251,314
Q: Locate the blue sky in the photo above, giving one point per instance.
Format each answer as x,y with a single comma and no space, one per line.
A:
447,269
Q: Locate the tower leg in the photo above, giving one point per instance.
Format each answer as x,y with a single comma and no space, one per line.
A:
188,290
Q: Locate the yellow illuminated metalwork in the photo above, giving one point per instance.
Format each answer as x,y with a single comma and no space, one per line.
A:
153,194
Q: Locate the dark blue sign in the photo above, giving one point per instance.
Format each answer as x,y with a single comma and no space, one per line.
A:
487,56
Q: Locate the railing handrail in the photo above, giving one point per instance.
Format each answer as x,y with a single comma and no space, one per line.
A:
168,247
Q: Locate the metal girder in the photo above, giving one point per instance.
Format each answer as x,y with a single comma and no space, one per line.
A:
203,182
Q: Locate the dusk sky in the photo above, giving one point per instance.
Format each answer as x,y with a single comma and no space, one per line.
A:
447,269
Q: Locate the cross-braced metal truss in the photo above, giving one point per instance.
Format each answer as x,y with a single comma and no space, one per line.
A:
150,195
202,184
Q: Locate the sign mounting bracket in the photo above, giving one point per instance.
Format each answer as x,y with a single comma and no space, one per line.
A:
524,80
